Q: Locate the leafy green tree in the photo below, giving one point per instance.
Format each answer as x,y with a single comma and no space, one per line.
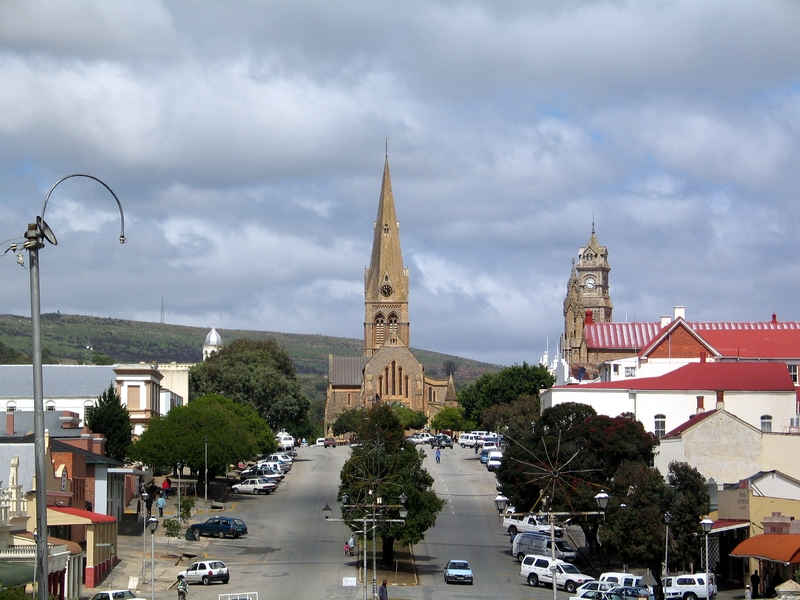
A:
98,358
232,435
349,421
687,504
504,387
257,373
389,466
451,417
409,419
9,356
500,416
110,418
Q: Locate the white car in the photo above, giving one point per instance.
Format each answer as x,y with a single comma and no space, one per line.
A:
254,486
117,595
535,569
689,586
514,523
206,571
590,588
320,442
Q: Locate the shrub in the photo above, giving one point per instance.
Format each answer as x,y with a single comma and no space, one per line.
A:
187,504
173,527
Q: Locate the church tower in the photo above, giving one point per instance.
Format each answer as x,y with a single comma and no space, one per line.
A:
386,279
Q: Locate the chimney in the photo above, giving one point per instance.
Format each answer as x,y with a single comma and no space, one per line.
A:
10,423
700,404
665,320
99,444
703,356
678,312
588,319
720,400
774,319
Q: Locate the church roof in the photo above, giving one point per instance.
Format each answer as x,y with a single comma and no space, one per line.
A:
387,257
213,338
346,370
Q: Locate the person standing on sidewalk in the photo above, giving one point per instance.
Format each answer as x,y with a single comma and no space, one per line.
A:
383,593
183,588
438,455
161,503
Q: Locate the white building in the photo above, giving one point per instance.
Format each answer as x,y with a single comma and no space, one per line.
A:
761,394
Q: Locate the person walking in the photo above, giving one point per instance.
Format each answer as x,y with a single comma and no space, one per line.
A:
383,593
352,543
438,455
161,503
149,504
755,582
183,588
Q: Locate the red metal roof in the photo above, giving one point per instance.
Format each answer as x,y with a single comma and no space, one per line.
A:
686,424
721,525
749,339
716,376
85,514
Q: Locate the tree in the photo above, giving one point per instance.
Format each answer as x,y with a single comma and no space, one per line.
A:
451,417
389,466
349,421
234,432
409,419
259,374
110,418
504,387
687,504
499,416
10,356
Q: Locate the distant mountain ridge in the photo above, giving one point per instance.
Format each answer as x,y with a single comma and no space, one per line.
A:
82,339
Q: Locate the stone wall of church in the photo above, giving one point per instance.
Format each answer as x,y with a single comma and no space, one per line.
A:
338,400
394,374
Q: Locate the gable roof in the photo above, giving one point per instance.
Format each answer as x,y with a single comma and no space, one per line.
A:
668,331
90,457
746,339
93,517
716,376
346,370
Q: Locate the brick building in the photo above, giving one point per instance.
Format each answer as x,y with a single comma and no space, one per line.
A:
387,371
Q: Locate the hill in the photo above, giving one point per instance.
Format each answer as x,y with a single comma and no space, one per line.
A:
93,340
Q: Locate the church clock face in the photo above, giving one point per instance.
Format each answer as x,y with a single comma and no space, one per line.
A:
386,289
590,283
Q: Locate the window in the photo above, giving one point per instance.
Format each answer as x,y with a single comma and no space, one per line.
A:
541,562
630,371
51,407
616,369
661,426
379,329
793,372
386,228
766,423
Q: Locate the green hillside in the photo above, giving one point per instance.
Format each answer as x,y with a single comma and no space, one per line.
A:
88,340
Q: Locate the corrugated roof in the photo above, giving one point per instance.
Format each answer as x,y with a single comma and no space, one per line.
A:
346,370
58,381
783,548
746,339
716,376
84,514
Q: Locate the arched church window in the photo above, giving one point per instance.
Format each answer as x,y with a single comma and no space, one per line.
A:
379,329
386,228
393,328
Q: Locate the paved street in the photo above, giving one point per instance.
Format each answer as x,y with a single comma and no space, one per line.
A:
291,551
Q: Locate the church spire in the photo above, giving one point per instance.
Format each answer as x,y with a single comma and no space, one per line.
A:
386,264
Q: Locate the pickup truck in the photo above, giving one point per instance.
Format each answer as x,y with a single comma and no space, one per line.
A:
514,523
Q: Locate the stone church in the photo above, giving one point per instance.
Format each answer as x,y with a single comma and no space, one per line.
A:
387,371
588,301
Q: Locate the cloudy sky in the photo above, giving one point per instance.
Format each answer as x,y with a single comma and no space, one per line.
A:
246,140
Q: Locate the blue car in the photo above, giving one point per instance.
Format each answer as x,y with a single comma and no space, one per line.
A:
458,571
217,527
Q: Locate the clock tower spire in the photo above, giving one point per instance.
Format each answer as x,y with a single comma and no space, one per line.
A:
386,279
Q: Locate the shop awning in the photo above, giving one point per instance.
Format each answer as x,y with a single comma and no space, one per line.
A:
67,515
783,548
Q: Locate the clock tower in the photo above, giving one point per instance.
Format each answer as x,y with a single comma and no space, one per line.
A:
386,279
587,290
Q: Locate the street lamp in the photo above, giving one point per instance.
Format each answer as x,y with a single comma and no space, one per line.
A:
601,498
205,441
144,495
500,502
35,237
707,524
180,468
152,525
667,519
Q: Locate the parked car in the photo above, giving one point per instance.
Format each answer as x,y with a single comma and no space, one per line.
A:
254,486
217,527
630,592
206,571
467,440
441,441
117,595
494,460
458,571
592,587
320,442
540,543
689,586
583,593
535,569
329,443
513,523
623,579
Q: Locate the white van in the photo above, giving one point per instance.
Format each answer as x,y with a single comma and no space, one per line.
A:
466,440
539,543
624,579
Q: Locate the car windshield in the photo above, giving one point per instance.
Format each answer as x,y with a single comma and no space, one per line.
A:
459,564
569,568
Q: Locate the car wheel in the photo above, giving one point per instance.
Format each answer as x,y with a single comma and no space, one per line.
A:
227,579
520,556
570,587
512,531
445,579
533,580
236,535
690,596
205,579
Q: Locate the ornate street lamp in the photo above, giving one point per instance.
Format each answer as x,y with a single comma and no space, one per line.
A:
707,524
667,519
152,525
601,498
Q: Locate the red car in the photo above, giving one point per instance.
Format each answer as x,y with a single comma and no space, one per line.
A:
330,443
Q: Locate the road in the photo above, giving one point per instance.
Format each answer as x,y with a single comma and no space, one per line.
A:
291,551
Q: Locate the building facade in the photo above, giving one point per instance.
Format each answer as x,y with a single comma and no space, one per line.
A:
387,371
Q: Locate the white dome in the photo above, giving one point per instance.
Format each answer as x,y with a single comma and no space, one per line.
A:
213,338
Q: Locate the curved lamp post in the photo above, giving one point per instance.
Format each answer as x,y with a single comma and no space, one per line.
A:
37,233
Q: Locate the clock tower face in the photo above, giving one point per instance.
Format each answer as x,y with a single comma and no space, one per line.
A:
386,290
590,282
